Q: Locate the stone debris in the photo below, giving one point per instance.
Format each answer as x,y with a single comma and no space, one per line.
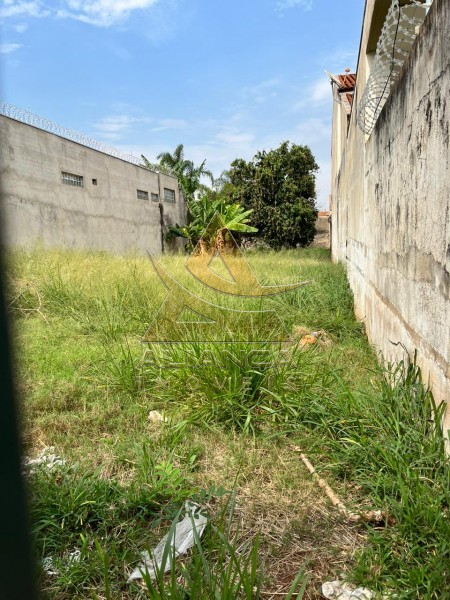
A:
306,337
308,340
156,417
47,458
339,590
183,539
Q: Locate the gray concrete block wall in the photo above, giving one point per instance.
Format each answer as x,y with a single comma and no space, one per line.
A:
105,216
391,208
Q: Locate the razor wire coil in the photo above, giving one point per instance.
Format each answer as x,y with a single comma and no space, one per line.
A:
29,118
394,45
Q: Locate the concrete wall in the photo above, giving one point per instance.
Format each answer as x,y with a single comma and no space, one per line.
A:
391,203
106,216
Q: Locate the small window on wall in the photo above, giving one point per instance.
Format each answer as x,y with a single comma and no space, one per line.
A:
142,195
155,197
169,195
71,179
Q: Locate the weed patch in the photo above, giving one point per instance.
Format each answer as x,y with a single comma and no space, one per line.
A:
88,385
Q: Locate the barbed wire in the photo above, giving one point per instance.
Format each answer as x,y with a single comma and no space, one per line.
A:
394,45
29,118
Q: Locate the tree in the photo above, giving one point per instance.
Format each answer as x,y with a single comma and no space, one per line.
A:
279,186
156,167
202,203
212,233
188,175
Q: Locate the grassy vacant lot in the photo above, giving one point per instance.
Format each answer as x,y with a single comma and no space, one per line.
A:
227,441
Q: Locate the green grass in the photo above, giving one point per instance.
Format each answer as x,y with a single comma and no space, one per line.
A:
87,389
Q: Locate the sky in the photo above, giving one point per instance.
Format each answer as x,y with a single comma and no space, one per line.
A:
224,78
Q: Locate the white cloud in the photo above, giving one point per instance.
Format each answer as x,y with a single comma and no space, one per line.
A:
114,123
118,126
165,124
96,12
313,131
21,27
235,138
8,48
102,12
283,5
121,52
318,94
115,126
321,90
261,92
11,8
220,144
338,60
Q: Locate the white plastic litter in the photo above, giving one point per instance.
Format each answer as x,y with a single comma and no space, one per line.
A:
49,566
339,590
183,539
48,563
47,458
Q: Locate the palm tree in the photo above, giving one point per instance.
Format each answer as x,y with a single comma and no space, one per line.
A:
174,162
188,174
156,167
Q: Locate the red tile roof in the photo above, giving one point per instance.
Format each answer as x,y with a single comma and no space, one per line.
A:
345,84
347,81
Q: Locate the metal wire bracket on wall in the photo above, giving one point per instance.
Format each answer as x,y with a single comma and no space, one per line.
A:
397,37
27,117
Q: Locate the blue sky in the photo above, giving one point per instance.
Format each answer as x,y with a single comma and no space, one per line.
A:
225,78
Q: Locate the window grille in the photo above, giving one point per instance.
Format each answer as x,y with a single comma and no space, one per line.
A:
155,197
142,195
72,179
169,195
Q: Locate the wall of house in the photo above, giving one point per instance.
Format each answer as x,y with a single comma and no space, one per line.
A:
106,216
391,206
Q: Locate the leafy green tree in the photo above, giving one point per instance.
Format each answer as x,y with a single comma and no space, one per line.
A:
279,187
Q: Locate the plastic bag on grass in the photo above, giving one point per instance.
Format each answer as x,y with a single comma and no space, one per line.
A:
193,523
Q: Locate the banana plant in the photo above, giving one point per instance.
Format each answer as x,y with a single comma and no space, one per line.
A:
201,212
